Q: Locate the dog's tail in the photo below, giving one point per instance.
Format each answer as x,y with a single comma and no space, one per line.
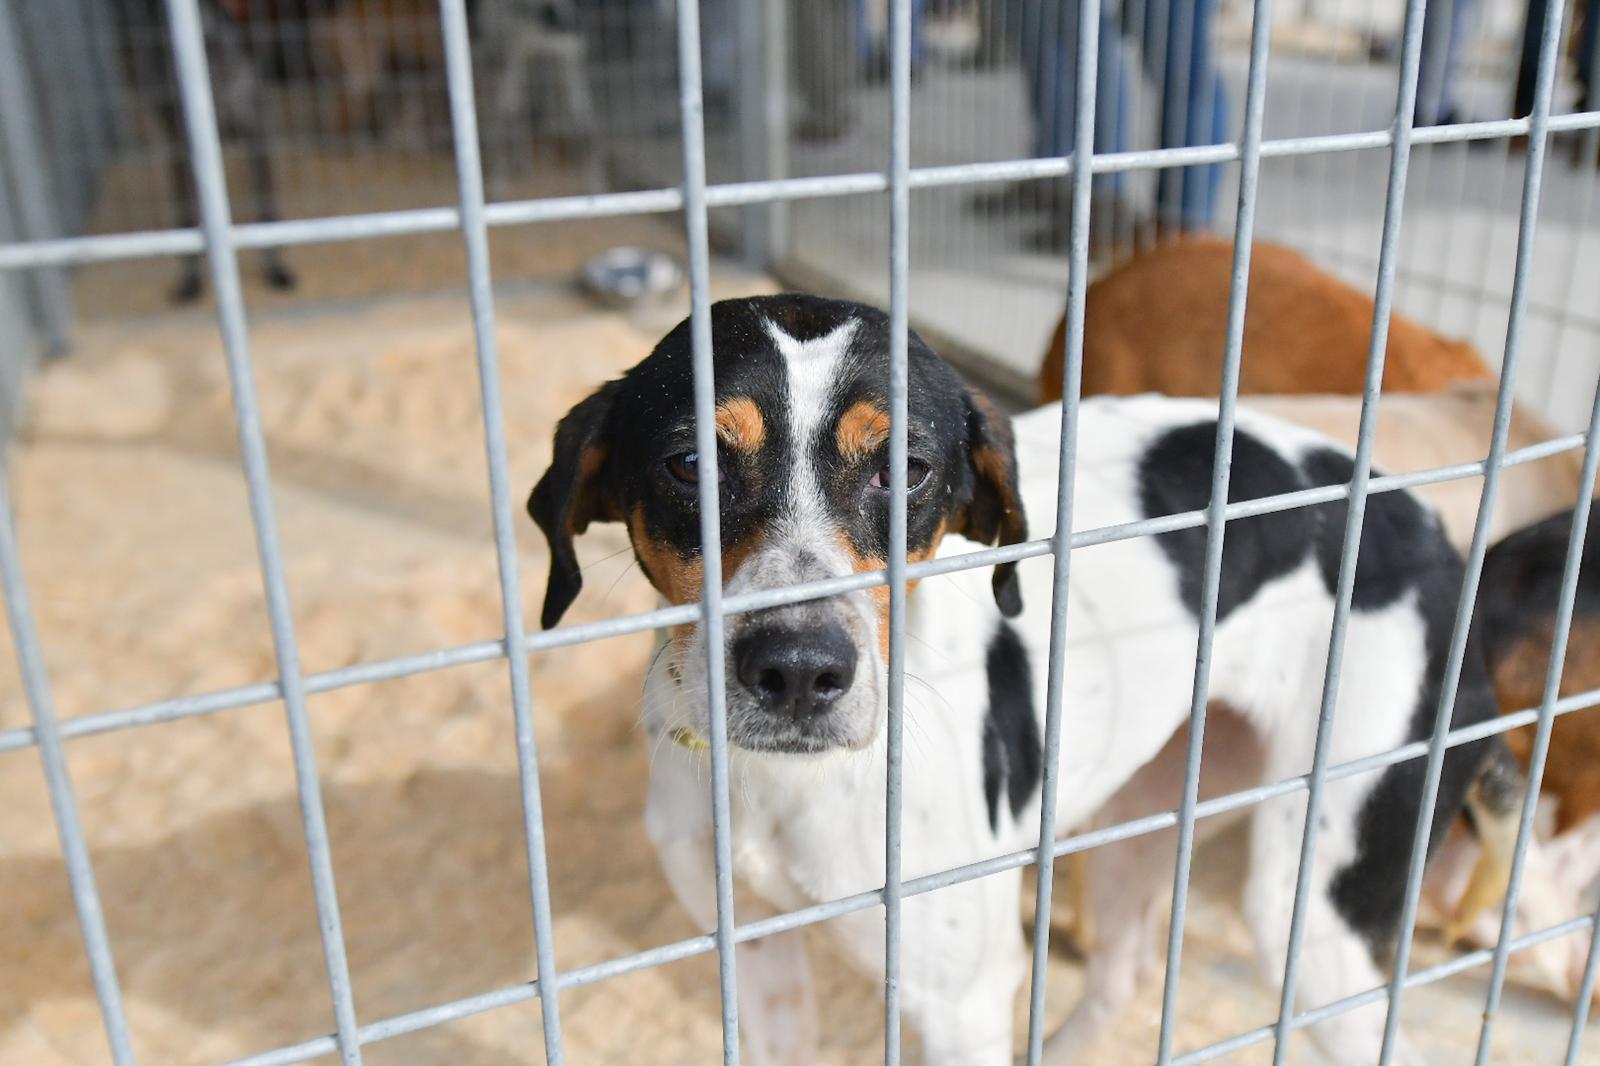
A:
1494,810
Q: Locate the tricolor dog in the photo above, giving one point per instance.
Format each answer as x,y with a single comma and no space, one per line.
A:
802,428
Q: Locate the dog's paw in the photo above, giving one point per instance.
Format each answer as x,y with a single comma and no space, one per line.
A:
279,277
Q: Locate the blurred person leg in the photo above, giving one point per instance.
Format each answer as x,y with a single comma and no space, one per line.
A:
825,35
1528,68
1054,97
719,56
1588,45
1194,111
872,38
1048,61
1445,24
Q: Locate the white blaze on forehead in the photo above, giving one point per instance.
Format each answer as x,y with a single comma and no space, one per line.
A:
813,369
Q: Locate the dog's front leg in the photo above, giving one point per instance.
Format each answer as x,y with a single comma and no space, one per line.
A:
962,962
777,1009
1124,905
975,1029
1336,961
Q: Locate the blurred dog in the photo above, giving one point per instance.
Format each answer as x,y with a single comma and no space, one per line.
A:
1158,323
1516,607
1515,620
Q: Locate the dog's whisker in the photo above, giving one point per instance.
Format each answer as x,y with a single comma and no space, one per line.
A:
634,565
605,559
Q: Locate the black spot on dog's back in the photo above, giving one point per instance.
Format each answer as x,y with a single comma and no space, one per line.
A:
1012,759
1175,476
1399,537
1403,551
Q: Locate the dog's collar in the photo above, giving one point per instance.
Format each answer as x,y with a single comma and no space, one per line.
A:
688,739
681,735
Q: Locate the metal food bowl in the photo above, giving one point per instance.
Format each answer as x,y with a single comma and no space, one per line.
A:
628,275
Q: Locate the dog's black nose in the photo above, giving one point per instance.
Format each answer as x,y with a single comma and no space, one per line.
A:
796,672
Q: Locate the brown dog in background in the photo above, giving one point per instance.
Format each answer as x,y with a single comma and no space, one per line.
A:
1157,324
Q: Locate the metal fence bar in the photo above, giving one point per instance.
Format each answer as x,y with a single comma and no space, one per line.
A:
1562,314
35,208
1484,247
691,112
826,911
428,1017
1588,154
194,83
1176,84
222,239
475,234
1137,24
1459,964
1580,1010
1216,512
58,781
1087,73
181,707
763,124
899,326
1561,629
1355,513
23,255
1527,226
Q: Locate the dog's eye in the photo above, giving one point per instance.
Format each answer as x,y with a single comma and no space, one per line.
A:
916,474
685,467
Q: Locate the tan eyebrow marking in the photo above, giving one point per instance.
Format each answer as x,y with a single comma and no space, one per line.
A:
680,577
880,593
862,430
740,425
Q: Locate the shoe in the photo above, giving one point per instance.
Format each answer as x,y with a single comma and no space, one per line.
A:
816,130
875,68
1032,195
1110,220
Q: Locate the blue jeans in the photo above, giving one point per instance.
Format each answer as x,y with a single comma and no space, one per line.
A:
1444,25
1532,33
870,47
1174,45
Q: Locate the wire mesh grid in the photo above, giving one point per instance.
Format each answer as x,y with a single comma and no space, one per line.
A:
220,238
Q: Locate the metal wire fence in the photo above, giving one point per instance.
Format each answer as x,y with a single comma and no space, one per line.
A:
576,97
221,239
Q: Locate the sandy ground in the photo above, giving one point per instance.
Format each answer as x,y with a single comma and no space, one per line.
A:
135,530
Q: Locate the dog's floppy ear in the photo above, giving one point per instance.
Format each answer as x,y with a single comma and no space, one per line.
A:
572,494
994,515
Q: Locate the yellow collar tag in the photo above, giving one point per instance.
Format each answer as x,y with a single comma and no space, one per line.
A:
688,739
